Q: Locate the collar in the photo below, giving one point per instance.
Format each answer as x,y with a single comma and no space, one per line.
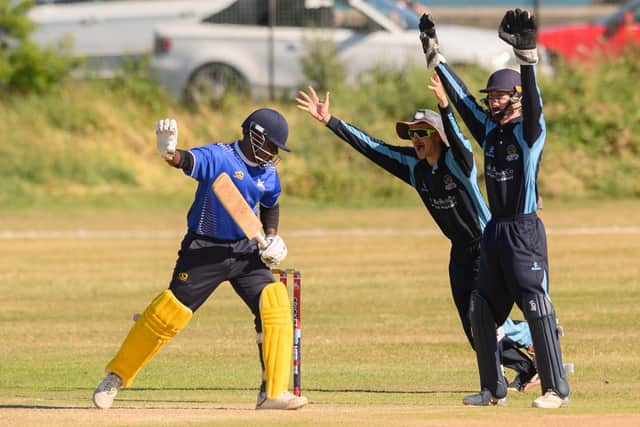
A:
236,145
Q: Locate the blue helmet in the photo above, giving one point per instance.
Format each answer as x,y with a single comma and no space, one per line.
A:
271,124
505,80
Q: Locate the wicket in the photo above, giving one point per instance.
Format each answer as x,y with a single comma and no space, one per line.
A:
297,281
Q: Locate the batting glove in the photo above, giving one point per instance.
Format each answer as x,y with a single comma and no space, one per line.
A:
275,251
520,30
167,138
429,40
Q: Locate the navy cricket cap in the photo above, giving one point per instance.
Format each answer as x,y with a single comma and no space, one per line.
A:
274,124
505,80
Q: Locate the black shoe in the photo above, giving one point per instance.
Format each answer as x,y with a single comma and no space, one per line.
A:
516,384
484,398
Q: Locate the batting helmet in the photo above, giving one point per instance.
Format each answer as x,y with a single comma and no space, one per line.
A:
274,124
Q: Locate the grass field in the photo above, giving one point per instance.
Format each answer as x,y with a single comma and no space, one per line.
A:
381,342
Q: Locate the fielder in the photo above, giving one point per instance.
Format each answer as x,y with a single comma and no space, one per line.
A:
513,268
440,166
214,250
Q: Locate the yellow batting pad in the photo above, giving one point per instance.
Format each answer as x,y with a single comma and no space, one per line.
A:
277,331
161,321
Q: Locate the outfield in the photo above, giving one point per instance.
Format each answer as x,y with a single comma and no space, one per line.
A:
381,342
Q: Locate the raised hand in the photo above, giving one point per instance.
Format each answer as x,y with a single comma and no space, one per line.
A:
318,109
438,90
520,30
429,40
167,138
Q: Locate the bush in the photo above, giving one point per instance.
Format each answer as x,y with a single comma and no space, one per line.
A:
25,66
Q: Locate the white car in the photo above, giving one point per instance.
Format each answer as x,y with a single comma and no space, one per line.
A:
236,48
105,32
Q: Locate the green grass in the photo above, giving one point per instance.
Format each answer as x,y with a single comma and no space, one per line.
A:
381,340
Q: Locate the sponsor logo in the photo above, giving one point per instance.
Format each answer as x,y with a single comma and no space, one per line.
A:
260,184
512,153
238,174
449,184
536,266
444,203
183,276
499,175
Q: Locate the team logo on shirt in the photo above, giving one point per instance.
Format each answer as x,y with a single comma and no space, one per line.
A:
536,266
183,276
512,153
260,184
238,174
449,184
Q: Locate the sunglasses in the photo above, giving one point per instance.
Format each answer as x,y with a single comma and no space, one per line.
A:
420,133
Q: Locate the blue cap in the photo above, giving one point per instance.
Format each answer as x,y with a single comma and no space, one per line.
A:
505,80
274,124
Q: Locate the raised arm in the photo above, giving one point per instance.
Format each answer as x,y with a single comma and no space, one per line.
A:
458,143
520,29
166,143
398,161
472,114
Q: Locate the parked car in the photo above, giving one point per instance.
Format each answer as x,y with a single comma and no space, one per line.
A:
235,49
106,32
582,43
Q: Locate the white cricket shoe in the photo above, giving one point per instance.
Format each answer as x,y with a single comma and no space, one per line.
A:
286,400
106,391
550,400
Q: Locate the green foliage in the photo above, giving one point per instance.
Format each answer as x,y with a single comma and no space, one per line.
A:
25,66
321,65
94,139
135,81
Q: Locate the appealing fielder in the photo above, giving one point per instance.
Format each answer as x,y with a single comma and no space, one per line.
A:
440,166
513,265
214,250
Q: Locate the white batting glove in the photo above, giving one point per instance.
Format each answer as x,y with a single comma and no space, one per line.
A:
167,138
275,251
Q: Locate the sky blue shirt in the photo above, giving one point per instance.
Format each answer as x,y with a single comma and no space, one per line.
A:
258,184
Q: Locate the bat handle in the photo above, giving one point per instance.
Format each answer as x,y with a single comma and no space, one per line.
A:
262,241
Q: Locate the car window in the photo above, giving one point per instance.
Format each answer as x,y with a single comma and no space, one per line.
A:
294,13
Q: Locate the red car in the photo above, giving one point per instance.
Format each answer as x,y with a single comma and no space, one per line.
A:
609,35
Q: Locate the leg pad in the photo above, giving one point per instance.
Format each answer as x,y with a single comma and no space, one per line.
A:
542,320
483,327
277,338
161,321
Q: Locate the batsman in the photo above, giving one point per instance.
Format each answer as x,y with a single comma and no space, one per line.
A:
214,250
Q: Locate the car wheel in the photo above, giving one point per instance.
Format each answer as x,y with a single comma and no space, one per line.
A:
212,84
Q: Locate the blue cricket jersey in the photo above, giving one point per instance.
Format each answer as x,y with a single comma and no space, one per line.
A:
259,184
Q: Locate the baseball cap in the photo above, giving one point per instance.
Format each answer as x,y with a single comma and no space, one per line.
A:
505,80
428,117
274,124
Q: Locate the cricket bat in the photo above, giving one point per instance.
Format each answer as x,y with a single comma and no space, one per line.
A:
238,208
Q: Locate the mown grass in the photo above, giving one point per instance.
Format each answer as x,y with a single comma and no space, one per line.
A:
381,339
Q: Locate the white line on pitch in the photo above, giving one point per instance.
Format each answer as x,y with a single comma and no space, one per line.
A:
313,232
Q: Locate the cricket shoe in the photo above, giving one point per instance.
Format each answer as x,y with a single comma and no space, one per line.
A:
106,391
286,400
484,398
550,400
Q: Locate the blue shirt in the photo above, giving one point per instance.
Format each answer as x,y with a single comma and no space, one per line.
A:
259,184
